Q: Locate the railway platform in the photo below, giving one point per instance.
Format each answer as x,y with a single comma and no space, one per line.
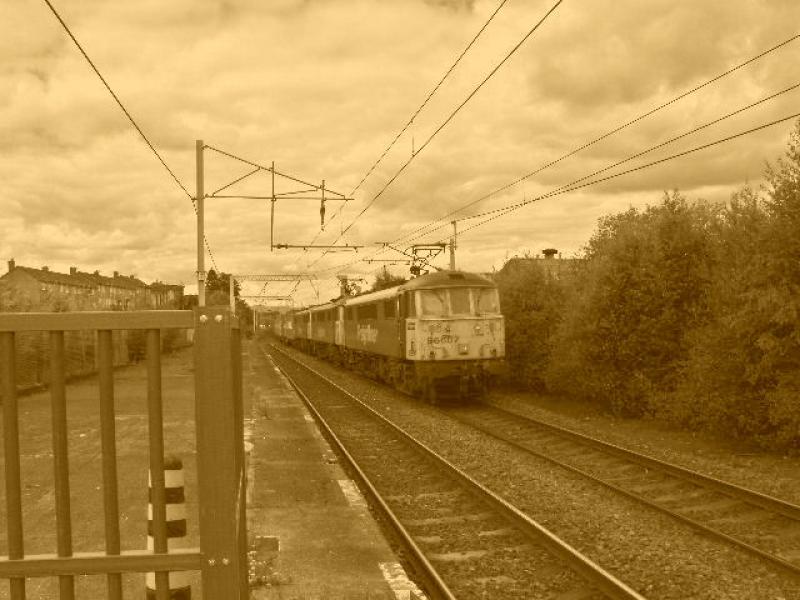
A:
313,535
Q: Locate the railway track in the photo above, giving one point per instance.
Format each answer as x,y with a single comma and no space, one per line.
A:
756,523
463,540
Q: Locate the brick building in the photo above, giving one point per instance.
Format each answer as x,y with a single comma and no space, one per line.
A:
29,289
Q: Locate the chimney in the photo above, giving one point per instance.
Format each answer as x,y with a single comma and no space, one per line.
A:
116,274
73,270
11,265
549,252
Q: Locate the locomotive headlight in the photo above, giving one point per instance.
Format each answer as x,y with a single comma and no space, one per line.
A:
463,349
478,329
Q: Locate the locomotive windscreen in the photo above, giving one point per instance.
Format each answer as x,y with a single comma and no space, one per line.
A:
459,302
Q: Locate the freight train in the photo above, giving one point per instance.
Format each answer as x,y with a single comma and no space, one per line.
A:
439,336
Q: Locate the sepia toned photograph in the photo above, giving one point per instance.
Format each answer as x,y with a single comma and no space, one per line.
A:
400,300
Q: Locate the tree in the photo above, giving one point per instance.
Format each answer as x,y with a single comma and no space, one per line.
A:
530,301
218,288
743,372
384,280
218,294
622,333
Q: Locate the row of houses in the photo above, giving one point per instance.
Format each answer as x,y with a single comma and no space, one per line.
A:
41,289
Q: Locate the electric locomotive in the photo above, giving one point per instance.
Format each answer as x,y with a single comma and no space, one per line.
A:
438,336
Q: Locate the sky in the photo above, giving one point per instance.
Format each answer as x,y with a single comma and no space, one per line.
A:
322,87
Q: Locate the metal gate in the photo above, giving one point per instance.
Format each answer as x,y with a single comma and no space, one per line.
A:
221,557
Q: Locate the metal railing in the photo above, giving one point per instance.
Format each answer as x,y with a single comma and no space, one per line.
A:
221,557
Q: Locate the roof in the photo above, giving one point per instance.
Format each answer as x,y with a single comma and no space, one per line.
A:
447,279
47,276
157,285
90,280
120,281
372,296
548,265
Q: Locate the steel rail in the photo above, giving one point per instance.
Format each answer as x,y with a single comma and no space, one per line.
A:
763,500
592,572
785,565
422,566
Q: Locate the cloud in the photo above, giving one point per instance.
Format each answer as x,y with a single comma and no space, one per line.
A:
322,88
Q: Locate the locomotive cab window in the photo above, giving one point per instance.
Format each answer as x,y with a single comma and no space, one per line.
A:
433,303
486,301
459,301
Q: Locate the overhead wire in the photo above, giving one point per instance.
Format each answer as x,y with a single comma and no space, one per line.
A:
453,114
411,120
606,135
584,146
424,102
573,186
131,119
588,180
450,117
641,153
429,227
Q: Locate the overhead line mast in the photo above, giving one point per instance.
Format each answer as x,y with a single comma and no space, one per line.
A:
309,192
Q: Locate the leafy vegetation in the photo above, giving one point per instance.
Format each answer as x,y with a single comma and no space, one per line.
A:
530,303
684,311
218,294
385,280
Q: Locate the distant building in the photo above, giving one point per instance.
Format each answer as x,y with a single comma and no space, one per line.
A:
549,261
29,289
166,295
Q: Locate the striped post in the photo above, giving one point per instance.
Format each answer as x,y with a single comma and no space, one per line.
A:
179,586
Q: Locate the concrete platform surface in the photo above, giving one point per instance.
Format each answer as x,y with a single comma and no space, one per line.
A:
314,537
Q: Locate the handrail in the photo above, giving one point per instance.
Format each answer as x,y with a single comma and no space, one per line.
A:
109,319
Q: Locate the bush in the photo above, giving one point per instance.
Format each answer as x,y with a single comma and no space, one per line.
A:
529,299
684,311
742,373
622,333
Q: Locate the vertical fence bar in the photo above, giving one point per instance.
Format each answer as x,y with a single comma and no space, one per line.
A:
58,401
215,392
108,440
156,432
11,448
241,508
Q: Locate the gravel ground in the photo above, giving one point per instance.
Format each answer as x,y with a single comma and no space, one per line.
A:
473,548
769,473
650,552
